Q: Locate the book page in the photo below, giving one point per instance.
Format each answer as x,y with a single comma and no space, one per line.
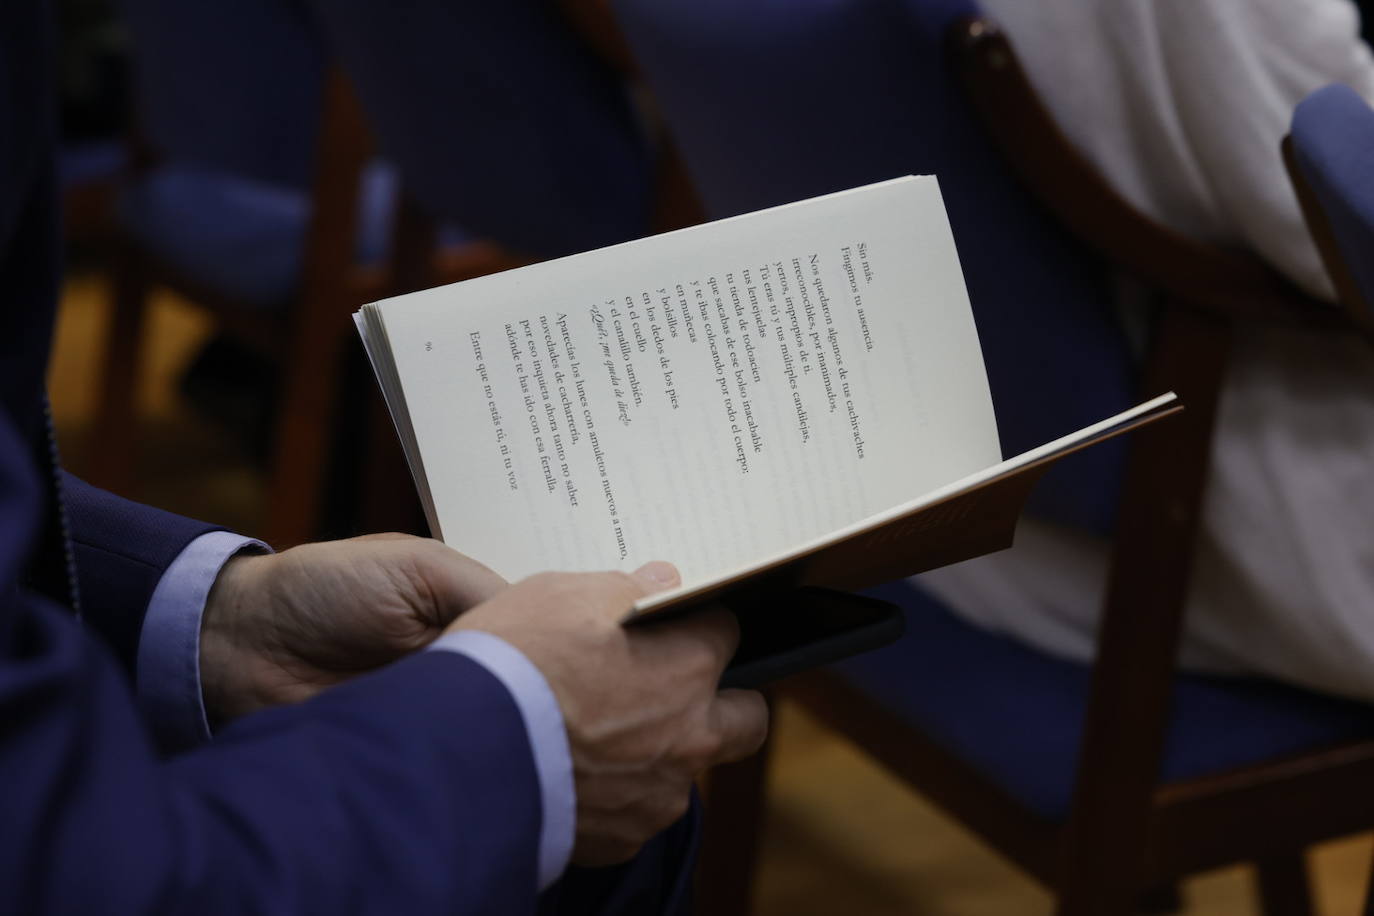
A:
711,396
958,521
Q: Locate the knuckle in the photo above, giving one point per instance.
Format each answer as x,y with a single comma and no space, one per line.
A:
703,662
559,590
723,625
702,748
676,809
729,625
667,809
542,582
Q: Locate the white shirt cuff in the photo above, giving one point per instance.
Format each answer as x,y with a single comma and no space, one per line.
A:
548,739
168,679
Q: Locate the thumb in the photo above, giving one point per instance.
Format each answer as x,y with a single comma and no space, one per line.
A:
455,581
657,576
740,721
612,594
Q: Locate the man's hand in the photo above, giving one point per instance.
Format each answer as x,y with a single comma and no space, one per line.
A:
641,705
279,629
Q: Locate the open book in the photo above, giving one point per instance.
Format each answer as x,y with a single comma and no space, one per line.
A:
793,397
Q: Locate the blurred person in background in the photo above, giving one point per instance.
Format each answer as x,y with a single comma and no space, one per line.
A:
1182,104
534,733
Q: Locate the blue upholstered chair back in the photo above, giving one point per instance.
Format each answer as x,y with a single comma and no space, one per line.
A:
233,86
498,116
771,101
500,120
1333,145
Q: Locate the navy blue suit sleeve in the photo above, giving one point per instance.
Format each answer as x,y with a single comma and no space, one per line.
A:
411,790
121,548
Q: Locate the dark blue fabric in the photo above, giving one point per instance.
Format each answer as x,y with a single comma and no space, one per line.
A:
243,238
92,161
1016,714
637,887
778,100
28,220
498,118
1333,140
406,791
230,93
229,85
544,157
121,549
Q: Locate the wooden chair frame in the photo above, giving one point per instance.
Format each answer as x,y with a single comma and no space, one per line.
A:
389,501
1126,831
309,337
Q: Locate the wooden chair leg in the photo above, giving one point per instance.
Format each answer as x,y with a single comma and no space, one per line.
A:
1284,889
736,803
301,446
388,498
112,457
313,367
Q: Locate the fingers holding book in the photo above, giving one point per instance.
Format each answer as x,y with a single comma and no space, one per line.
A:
641,705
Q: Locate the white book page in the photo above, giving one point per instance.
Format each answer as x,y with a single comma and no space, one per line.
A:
1047,452
712,397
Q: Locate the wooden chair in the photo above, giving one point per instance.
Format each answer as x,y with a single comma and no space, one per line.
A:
1152,800
551,157
254,193
1128,830
675,201
306,333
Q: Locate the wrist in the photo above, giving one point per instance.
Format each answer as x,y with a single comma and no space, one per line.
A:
227,634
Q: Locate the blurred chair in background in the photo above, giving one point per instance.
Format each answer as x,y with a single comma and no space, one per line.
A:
500,114
505,116
766,122
1101,780
1330,157
252,193
92,88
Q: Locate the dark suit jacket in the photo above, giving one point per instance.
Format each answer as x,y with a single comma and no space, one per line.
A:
408,791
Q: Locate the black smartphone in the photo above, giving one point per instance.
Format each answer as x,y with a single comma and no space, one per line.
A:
783,632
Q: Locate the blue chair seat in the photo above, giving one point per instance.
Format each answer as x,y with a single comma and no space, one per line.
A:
89,161
242,238
1016,714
